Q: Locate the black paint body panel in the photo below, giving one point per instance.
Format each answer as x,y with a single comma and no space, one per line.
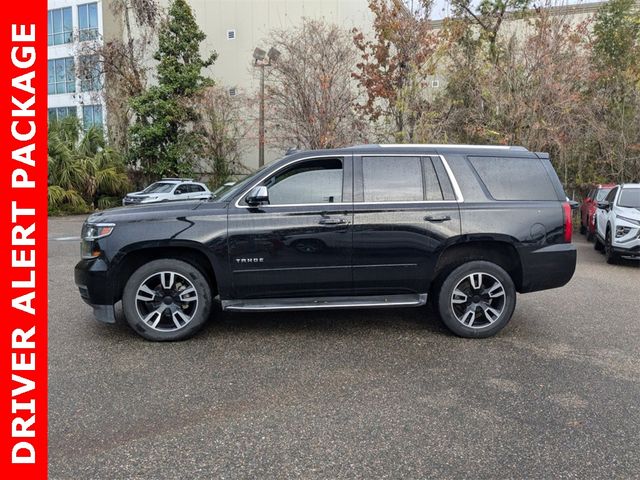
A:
291,251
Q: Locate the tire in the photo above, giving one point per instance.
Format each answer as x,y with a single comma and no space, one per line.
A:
492,303
589,235
597,245
583,229
609,254
167,300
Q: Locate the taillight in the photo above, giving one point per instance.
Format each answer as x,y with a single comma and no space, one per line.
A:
568,224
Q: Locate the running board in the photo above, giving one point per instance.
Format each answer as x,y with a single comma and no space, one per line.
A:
310,303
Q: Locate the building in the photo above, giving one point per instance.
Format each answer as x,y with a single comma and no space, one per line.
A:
70,24
234,28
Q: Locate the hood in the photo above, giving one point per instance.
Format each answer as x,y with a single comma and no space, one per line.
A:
160,211
628,212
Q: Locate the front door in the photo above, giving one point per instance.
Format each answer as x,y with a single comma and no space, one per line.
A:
299,244
405,208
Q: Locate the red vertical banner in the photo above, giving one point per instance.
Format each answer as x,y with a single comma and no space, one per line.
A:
23,240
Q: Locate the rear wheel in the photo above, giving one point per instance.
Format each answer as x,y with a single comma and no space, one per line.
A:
166,300
477,299
583,229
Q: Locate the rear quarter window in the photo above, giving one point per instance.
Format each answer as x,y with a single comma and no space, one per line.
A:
514,178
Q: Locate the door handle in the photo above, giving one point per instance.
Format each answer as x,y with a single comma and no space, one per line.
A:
437,218
332,221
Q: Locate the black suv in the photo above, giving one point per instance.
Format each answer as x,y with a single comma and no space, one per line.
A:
365,226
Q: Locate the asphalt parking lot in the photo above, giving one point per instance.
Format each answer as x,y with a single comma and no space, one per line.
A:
353,394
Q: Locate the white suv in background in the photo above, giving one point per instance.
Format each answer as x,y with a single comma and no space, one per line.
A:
618,223
169,189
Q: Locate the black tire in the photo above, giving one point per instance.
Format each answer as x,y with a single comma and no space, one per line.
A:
609,254
177,312
597,245
451,308
590,235
583,229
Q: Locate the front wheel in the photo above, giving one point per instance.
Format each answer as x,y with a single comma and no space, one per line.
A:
166,300
609,254
477,299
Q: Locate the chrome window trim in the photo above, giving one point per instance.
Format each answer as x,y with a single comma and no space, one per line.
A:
454,183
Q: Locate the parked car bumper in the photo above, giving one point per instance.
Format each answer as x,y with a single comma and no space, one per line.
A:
96,288
548,267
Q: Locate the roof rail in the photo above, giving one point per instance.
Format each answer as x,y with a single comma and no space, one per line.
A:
444,145
177,179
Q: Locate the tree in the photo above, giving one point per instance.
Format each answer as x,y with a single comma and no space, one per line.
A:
616,58
84,173
123,63
163,141
310,93
222,126
395,65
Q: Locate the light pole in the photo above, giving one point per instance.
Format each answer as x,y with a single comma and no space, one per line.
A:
263,59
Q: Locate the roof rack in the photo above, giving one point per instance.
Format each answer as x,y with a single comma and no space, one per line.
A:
177,179
442,145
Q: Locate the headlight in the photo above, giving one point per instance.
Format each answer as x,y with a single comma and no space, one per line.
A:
90,233
94,231
630,220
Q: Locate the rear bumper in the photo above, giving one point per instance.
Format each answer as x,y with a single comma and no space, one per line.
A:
548,267
96,288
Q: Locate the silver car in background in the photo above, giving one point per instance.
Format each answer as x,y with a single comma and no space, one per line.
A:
167,190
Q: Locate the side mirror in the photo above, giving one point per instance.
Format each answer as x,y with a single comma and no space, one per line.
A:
604,205
257,196
574,205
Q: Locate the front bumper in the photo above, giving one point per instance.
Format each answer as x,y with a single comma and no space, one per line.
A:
96,288
548,267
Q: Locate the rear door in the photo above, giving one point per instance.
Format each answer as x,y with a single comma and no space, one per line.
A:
405,208
300,243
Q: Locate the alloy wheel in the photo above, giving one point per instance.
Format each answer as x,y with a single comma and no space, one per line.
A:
478,300
166,301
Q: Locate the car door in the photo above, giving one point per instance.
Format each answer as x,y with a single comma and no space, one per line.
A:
299,244
405,208
198,192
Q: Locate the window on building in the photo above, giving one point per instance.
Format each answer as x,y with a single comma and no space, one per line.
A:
232,92
90,73
231,34
62,77
59,113
88,21
92,116
60,26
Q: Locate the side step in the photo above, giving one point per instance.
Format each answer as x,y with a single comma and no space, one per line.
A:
310,303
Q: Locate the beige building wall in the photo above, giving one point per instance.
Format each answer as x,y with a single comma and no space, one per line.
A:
235,27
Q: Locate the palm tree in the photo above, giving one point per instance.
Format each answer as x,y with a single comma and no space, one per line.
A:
84,173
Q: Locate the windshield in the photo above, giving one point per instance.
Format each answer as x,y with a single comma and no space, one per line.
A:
240,185
630,198
603,192
159,187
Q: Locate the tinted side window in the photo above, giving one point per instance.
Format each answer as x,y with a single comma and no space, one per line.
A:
432,188
443,177
315,181
612,195
392,179
197,188
514,178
